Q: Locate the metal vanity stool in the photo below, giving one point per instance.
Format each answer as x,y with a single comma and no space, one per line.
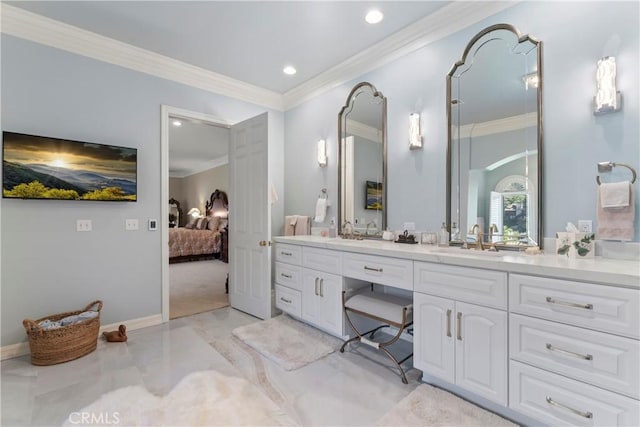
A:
392,310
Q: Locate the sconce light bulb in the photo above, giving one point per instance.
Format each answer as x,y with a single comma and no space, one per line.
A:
322,153
415,136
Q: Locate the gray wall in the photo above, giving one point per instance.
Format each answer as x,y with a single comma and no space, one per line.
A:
194,190
48,267
575,35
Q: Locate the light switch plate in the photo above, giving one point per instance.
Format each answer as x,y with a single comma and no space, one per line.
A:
131,224
153,224
585,226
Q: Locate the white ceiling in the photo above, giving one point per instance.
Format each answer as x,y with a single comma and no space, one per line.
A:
251,41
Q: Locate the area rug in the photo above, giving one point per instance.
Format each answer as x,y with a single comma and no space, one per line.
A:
289,343
206,398
431,406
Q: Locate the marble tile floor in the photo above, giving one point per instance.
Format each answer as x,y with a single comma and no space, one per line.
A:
355,388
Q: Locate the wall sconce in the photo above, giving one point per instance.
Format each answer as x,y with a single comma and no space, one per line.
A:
415,138
322,153
607,99
530,80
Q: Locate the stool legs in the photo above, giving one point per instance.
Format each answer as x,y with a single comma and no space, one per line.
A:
378,345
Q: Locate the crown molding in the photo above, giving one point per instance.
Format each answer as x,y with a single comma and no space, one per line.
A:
20,23
491,127
364,131
454,17
200,167
443,22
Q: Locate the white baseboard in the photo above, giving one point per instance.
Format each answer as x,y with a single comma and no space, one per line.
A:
22,348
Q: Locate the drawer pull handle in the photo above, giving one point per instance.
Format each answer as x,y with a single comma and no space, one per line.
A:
288,276
449,323
459,326
569,353
379,270
568,408
288,301
285,253
570,304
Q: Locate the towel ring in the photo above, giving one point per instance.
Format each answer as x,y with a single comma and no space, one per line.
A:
608,166
324,194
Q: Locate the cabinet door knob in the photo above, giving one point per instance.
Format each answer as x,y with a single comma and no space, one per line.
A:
322,288
316,287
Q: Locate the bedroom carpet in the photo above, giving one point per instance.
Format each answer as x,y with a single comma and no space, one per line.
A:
286,341
434,407
196,287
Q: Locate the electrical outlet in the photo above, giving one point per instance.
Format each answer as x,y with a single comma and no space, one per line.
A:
585,226
131,224
83,225
409,226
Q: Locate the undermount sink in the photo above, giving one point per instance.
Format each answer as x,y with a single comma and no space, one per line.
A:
471,251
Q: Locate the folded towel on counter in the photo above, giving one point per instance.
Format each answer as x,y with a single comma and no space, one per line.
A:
615,194
616,223
290,222
297,225
321,210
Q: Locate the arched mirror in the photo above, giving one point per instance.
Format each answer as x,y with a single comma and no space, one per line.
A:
494,153
362,187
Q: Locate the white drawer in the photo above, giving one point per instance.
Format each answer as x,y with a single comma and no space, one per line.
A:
483,287
322,260
599,307
289,300
289,275
290,254
597,358
559,401
394,272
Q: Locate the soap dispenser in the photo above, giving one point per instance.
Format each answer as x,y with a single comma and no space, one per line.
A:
443,238
332,228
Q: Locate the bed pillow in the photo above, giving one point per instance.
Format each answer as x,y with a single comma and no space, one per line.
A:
201,223
214,223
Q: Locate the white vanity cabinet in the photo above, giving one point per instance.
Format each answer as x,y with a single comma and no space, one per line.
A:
308,285
574,350
460,342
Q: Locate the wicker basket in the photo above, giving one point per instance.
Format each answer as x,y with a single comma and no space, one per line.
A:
65,343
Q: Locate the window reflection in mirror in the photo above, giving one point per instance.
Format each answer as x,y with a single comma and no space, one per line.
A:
362,163
495,138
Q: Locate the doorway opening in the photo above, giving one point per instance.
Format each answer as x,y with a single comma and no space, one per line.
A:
195,240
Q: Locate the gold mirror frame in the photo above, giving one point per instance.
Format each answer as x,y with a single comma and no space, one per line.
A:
538,238
342,134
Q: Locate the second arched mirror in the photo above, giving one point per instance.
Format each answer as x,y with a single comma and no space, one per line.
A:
362,186
494,153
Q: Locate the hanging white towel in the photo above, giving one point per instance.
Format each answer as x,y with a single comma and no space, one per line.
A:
615,194
616,223
321,210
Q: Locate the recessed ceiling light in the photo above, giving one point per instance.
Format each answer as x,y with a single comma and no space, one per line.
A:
373,16
289,70
177,123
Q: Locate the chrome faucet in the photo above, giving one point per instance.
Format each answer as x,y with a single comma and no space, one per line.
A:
346,235
474,229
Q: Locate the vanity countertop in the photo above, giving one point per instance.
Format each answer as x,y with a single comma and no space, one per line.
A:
606,271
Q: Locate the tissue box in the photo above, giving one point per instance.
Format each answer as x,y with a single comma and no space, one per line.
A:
575,245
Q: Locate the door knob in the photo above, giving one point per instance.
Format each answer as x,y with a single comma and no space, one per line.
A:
263,243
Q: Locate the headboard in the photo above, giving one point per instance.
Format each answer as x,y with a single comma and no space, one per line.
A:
217,201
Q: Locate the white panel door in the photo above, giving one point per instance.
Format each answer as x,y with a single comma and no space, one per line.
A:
249,218
481,351
433,339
